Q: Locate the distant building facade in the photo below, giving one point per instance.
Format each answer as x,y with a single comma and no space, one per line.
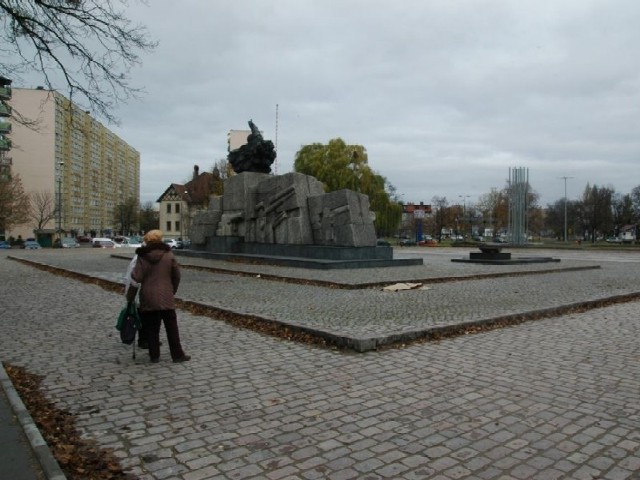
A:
86,168
179,202
237,138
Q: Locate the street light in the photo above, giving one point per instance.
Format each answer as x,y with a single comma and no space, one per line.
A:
565,207
60,165
184,217
464,207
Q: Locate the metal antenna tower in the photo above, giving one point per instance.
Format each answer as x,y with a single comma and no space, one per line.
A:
275,169
565,207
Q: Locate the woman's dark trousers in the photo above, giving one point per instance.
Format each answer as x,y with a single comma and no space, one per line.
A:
151,325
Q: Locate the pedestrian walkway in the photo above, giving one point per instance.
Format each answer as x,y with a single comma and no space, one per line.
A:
24,454
551,399
16,456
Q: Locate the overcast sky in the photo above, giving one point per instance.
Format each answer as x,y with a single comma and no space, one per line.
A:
445,95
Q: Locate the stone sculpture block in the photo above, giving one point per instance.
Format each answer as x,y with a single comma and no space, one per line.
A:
289,209
238,191
342,218
204,222
278,213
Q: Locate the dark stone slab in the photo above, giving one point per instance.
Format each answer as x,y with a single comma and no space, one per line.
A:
491,247
304,256
510,261
489,255
304,262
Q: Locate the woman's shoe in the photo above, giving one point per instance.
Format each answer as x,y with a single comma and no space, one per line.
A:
184,358
155,360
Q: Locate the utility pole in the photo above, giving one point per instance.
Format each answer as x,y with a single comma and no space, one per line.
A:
60,165
464,209
565,207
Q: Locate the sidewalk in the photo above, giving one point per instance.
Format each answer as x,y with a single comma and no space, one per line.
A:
23,453
549,399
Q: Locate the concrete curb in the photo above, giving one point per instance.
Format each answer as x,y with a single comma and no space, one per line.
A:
42,452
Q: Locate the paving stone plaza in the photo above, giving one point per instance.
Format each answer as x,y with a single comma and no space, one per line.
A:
553,398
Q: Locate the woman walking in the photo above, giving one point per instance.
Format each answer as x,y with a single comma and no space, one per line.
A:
158,274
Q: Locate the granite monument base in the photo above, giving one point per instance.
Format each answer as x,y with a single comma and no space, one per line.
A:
302,256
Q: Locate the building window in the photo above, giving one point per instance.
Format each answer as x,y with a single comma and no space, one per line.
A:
177,211
177,226
168,208
168,226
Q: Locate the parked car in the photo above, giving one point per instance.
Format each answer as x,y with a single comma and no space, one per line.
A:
66,243
131,242
135,241
103,243
118,240
83,239
381,242
407,242
428,243
31,245
172,242
4,244
103,239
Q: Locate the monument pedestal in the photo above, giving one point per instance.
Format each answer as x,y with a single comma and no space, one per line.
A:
492,254
489,256
303,256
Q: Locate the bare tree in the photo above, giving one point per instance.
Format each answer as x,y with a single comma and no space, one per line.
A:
125,215
441,207
14,203
597,210
43,208
90,44
148,217
495,209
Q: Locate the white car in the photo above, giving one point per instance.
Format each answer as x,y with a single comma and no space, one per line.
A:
133,242
97,241
127,242
173,243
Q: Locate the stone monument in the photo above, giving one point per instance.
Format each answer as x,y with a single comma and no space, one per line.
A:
273,217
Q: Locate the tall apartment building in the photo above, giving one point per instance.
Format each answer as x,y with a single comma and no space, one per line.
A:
5,129
85,167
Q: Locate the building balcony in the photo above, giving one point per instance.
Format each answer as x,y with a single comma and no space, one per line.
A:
5,144
5,93
5,127
5,110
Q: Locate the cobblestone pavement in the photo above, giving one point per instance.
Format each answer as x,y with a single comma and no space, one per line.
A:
364,318
551,399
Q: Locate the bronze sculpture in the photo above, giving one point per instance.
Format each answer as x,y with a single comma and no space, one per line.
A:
256,155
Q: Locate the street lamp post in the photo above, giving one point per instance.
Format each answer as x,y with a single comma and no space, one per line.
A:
464,207
184,217
565,207
60,165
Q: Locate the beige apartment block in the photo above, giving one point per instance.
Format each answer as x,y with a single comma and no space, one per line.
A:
237,138
87,169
